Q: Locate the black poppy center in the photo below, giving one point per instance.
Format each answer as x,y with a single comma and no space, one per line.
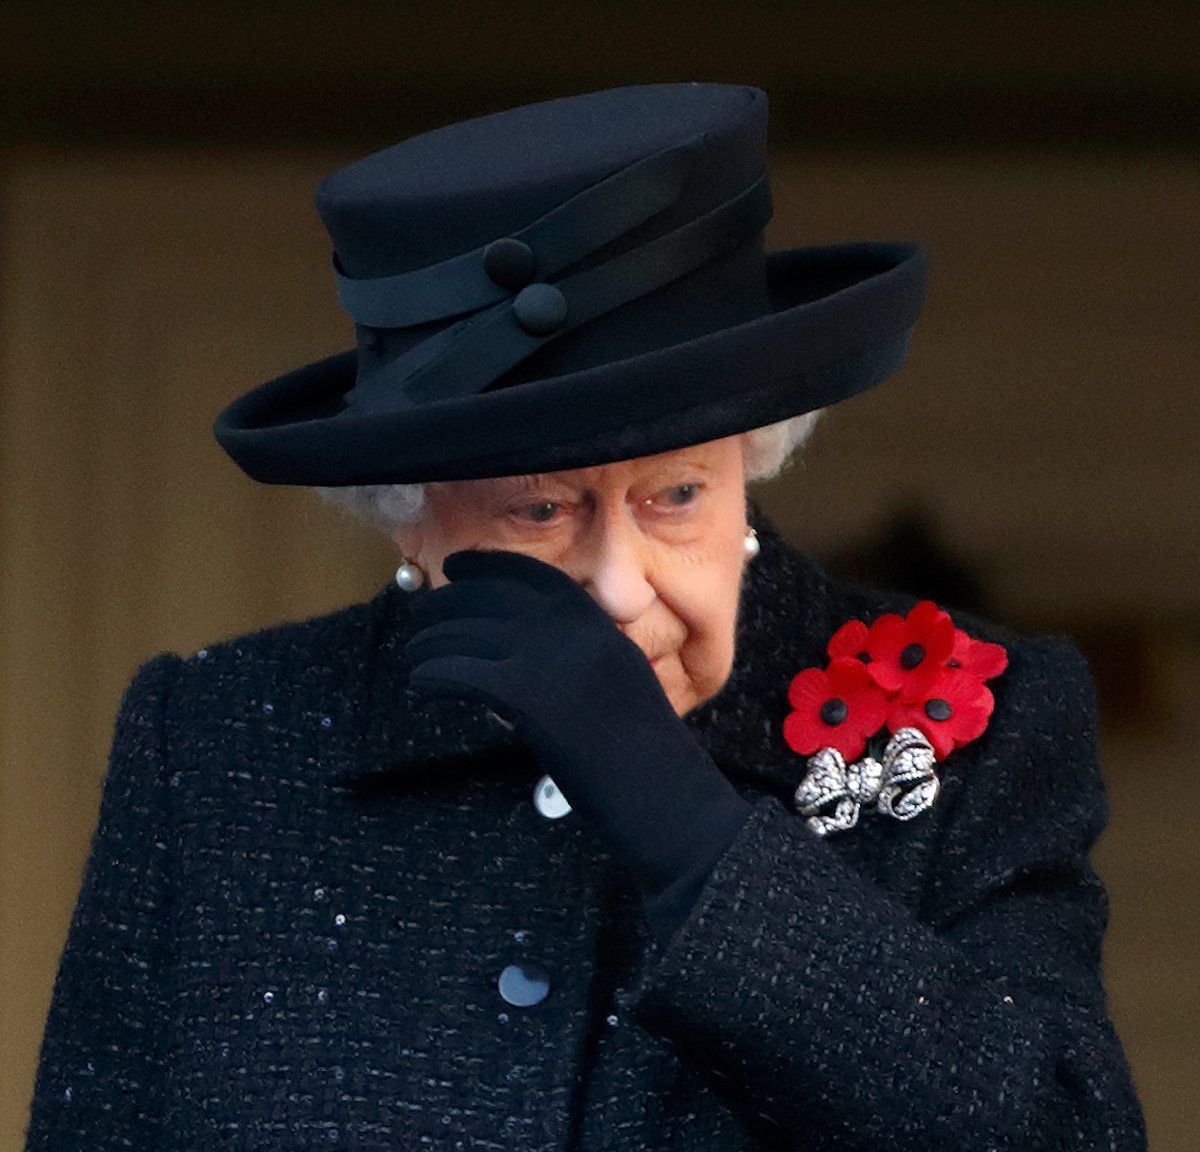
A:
912,656
938,709
834,711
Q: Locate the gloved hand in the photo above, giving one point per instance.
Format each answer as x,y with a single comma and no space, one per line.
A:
523,637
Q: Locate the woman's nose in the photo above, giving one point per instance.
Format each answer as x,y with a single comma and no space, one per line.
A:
618,576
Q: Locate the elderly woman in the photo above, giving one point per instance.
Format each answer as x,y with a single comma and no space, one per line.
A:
612,822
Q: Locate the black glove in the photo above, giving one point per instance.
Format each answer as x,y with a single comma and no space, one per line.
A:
524,638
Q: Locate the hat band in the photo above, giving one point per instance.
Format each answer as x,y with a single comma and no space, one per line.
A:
566,234
472,353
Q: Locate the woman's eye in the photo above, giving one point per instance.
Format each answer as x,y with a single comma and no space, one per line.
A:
682,494
677,496
542,512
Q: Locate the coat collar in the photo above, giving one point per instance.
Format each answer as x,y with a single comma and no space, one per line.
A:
785,618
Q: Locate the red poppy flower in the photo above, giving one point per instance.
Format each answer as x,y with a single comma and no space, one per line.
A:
952,713
909,653
837,708
978,657
849,640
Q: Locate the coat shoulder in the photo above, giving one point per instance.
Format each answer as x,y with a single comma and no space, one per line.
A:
316,641
798,590
301,671
1047,680
296,639
1027,797
1044,699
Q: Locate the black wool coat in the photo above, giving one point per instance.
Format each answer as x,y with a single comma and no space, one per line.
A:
305,882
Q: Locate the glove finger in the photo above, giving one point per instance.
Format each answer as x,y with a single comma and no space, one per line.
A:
498,599
515,570
469,677
483,639
514,566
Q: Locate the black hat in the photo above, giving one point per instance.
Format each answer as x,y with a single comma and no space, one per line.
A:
566,284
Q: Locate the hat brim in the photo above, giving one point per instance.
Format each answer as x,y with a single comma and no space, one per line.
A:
840,323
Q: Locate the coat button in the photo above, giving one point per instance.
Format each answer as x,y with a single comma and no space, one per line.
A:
548,800
524,985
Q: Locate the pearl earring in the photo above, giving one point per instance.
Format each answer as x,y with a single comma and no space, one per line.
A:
409,576
750,544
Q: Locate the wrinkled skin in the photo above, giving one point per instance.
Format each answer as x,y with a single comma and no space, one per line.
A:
658,542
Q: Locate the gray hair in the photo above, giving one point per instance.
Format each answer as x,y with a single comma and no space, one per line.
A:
766,452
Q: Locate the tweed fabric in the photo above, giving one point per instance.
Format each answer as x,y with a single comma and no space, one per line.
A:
305,881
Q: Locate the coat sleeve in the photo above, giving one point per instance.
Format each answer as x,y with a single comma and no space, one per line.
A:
100,1080
845,1021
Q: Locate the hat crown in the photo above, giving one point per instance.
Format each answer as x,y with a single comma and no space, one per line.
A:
466,255
459,187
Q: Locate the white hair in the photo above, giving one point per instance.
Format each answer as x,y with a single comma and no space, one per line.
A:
766,452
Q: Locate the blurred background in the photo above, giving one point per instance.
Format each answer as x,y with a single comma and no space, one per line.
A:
1036,459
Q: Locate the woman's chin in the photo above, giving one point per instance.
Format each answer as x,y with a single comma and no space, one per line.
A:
673,683
689,693
679,689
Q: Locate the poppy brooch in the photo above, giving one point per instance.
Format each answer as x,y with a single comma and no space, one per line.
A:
894,699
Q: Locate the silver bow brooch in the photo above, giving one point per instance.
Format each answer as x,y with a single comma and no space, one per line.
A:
901,784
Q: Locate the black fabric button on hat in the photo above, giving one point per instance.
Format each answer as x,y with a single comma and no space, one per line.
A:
509,263
540,309
566,284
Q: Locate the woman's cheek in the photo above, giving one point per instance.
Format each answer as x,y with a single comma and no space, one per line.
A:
713,633
703,664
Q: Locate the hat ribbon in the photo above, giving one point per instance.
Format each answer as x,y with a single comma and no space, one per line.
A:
567,233
468,355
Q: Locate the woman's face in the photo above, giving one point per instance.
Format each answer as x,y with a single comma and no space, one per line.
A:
656,541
